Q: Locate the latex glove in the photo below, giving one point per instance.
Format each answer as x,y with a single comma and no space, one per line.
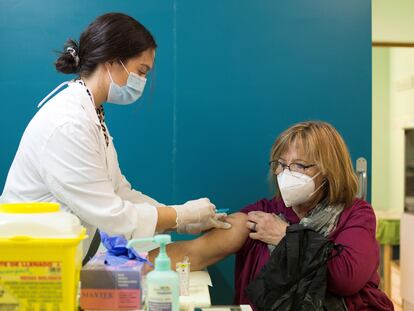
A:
213,222
194,211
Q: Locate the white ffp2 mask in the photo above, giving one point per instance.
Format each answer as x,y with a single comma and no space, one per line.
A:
296,188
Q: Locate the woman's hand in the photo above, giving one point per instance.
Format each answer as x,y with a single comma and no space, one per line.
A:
266,227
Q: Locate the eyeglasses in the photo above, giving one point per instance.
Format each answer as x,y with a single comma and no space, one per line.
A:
278,166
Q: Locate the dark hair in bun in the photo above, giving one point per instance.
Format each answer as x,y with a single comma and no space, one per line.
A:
68,61
111,37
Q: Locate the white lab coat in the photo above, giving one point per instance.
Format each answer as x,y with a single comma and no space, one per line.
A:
63,157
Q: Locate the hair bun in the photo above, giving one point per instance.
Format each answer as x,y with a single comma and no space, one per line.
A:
68,61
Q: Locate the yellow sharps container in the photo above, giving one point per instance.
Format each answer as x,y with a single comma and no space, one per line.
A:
40,257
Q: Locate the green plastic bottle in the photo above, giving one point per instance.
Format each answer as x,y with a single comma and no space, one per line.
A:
163,284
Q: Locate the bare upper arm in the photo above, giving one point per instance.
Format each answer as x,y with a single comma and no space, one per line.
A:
231,240
219,243
212,246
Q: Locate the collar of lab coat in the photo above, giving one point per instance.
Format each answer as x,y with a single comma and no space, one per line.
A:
87,102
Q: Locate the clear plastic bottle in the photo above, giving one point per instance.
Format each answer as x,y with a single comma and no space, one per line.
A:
163,284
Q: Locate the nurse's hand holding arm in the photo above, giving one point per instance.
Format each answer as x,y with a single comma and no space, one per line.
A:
193,211
213,222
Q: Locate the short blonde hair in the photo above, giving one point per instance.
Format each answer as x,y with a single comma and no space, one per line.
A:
326,148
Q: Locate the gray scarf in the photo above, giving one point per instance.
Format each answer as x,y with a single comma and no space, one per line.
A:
323,218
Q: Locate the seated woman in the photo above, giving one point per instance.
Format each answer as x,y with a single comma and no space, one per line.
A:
316,186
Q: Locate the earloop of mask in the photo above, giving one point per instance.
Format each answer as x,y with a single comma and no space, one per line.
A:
317,189
124,66
109,73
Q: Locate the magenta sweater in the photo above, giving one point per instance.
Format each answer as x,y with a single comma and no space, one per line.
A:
352,274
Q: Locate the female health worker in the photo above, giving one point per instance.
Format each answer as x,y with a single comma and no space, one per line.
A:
66,154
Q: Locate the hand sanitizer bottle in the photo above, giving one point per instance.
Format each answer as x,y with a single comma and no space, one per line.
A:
163,284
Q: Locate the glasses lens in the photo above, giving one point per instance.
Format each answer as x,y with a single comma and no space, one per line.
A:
296,167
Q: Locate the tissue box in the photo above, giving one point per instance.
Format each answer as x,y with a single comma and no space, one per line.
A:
106,287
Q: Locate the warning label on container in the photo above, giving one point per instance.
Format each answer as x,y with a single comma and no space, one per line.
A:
30,285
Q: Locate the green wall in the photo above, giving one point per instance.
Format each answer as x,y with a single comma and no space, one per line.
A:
392,20
381,128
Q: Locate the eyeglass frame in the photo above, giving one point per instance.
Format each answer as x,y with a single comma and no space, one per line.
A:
284,166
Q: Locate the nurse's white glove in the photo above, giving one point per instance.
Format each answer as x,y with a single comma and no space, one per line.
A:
217,221
194,211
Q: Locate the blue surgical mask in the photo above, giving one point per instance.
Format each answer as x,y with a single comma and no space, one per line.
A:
128,93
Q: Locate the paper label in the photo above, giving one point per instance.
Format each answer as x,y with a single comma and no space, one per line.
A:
160,298
30,285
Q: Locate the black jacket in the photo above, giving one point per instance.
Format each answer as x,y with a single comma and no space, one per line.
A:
294,278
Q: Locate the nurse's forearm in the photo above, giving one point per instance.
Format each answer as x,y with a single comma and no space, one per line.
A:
210,247
167,218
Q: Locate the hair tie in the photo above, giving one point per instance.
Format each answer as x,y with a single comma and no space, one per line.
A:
72,52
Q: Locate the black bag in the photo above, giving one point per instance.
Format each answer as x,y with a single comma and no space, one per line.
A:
294,278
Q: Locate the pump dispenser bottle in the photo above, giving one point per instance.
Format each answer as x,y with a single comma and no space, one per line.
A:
163,285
